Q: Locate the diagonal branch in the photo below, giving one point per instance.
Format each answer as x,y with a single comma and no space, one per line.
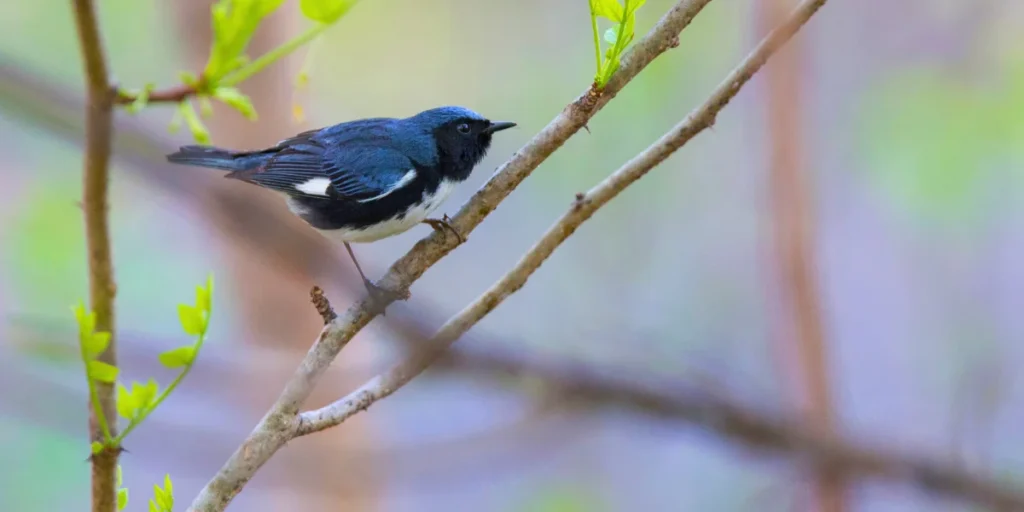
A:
581,210
279,424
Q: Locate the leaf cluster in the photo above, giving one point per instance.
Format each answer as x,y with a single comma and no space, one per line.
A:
618,36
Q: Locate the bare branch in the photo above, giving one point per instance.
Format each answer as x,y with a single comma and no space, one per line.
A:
281,422
173,94
583,207
98,141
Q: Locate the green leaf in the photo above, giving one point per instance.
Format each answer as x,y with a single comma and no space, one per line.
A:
96,447
102,372
234,98
152,506
195,125
120,476
610,9
191,319
203,299
205,107
122,498
611,35
633,5
145,394
175,124
86,319
234,22
95,343
325,11
160,497
181,356
141,99
164,498
126,405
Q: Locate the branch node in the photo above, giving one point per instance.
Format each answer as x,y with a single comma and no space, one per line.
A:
580,200
322,305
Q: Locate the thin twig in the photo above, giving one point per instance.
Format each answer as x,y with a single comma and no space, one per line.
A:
582,208
281,421
99,124
173,94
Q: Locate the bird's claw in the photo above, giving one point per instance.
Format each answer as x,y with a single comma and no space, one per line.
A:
444,224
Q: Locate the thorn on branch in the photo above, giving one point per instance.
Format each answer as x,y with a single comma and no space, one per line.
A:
581,199
322,305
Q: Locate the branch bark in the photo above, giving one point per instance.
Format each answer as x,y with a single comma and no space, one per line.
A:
98,135
280,422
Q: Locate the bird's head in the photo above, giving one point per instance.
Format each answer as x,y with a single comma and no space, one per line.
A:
462,137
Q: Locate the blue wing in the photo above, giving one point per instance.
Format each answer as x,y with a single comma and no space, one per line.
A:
355,161
366,172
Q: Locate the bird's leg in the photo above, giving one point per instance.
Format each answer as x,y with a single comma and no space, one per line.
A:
444,224
377,294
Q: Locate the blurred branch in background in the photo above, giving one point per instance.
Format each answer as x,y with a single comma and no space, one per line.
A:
585,386
801,343
565,386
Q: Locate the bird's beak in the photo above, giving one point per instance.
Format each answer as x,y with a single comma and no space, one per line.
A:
499,126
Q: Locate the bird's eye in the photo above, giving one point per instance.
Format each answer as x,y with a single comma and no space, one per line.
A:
463,128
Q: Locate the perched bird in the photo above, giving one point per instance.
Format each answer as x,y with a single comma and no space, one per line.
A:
364,180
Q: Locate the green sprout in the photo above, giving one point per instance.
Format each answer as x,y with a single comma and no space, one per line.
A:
136,402
618,36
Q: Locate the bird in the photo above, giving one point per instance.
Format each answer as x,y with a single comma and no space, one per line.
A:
364,180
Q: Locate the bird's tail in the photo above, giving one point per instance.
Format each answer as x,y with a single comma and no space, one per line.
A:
217,158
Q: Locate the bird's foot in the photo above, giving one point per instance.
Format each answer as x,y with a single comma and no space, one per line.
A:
443,225
381,297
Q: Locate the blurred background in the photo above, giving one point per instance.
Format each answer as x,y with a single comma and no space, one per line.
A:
861,200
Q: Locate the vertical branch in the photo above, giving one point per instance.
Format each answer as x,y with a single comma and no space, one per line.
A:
794,246
99,124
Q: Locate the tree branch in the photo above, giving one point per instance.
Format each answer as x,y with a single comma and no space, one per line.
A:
581,210
98,135
280,422
749,427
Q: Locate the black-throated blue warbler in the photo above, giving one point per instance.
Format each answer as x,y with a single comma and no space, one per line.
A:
364,180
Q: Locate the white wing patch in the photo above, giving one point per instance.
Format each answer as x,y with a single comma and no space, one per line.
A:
315,186
406,179
393,226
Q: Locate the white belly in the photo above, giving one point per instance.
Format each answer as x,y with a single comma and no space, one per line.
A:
394,225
